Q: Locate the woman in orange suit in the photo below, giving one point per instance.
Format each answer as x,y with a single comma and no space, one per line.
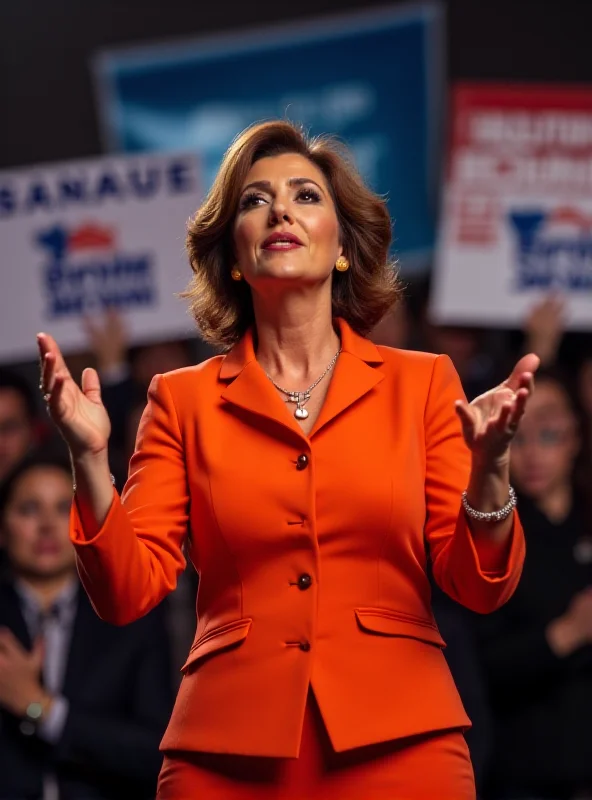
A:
306,471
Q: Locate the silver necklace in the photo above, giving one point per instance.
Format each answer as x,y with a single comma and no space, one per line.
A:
302,398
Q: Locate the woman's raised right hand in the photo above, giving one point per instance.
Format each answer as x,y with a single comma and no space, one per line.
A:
78,413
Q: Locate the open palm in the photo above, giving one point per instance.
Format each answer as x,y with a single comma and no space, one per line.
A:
490,421
78,412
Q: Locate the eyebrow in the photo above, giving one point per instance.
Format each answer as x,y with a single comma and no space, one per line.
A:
266,185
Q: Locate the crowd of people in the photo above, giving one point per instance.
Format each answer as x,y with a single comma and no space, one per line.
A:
524,672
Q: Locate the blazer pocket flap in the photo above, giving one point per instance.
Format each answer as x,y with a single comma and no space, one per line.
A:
210,641
397,623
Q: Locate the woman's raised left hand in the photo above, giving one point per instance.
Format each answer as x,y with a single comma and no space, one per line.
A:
490,421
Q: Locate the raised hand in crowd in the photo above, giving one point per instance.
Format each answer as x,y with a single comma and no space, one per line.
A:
572,630
544,329
108,339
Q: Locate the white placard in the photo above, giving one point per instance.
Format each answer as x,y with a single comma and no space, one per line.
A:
517,209
80,236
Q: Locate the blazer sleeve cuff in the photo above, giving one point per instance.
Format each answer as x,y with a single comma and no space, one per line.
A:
489,570
79,536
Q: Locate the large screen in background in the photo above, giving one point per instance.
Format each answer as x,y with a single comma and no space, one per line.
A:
374,79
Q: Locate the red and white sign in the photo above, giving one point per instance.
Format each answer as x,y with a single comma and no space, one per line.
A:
517,206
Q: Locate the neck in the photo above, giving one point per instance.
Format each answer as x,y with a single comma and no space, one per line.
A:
295,338
556,503
47,590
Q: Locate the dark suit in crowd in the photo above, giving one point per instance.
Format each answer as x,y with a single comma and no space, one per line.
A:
114,695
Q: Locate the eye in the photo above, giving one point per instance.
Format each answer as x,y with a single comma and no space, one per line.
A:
309,195
64,508
27,508
550,437
251,199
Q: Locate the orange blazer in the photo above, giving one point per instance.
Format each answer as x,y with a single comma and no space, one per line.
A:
311,550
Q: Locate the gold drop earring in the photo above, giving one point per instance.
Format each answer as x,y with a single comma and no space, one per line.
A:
236,274
342,264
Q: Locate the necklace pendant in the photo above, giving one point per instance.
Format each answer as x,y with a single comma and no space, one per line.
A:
301,413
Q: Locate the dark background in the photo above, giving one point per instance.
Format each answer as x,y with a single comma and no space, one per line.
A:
45,49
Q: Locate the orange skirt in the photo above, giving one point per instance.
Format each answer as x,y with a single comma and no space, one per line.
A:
420,768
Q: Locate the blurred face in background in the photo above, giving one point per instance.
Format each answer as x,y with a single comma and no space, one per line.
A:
547,443
34,524
16,430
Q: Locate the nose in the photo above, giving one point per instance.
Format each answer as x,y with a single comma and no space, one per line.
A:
49,522
279,212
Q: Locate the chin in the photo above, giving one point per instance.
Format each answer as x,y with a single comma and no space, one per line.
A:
282,273
306,273
52,567
536,489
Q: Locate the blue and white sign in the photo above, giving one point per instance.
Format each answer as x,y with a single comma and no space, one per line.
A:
372,78
81,237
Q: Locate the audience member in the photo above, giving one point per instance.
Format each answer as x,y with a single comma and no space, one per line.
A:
18,429
83,704
537,649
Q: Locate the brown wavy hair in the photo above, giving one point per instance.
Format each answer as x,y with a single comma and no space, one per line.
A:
223,308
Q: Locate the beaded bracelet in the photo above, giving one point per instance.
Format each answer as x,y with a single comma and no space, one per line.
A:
490,516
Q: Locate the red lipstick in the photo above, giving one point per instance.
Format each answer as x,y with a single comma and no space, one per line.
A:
281,241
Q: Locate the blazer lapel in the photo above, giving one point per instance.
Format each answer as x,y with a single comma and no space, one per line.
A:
354,376
251,389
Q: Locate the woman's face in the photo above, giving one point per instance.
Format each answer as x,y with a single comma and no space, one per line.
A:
546,444
286,228
35,524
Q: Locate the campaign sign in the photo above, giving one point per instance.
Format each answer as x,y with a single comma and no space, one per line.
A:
517,211
81,237
372,78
